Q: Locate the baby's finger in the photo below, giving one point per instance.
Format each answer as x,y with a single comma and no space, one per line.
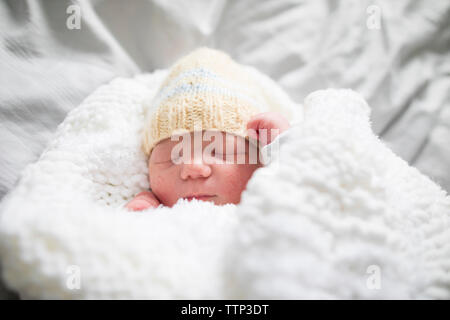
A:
138,205
253,123
142,201
253,127
252,134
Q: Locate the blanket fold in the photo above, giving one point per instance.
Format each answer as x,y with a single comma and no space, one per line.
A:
336,214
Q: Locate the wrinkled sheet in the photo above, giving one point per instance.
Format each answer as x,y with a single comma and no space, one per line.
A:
402,69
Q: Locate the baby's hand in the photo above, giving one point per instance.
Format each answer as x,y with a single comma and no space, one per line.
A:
268,121
142,201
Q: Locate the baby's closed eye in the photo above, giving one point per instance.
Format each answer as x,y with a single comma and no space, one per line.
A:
221,153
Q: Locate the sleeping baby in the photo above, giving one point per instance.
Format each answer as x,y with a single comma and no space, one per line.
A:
204,132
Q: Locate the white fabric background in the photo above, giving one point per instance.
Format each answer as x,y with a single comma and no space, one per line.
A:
402,70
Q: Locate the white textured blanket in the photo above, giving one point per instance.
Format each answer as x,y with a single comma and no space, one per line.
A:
335,215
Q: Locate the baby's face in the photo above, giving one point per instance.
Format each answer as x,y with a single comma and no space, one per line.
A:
207,177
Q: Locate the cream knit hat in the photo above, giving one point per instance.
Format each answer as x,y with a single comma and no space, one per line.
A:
205,90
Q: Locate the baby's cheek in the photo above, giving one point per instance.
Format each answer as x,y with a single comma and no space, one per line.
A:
156,182
238,179
235,179
164,186
158,185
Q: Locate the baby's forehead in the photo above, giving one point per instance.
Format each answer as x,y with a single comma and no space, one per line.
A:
206,137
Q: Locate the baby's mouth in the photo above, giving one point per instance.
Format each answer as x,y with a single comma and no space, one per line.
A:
204,197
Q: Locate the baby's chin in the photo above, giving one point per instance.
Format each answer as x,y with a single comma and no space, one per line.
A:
217,200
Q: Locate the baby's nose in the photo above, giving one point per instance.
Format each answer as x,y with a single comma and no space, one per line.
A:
195,170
